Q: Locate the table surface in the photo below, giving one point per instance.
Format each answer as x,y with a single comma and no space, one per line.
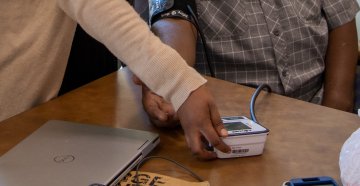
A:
304,140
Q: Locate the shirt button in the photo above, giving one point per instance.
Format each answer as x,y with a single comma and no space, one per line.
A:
276,32
284,73
286,57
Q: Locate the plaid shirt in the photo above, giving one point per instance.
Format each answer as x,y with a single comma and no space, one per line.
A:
278,42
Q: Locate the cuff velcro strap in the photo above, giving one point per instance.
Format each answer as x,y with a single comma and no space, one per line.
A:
160,9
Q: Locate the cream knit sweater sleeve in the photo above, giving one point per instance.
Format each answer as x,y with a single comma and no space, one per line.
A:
119,27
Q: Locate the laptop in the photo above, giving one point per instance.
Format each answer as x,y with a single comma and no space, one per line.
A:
66,153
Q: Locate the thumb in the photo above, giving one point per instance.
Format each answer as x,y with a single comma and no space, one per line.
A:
216,121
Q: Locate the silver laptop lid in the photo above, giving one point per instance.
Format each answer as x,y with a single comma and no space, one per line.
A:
66,153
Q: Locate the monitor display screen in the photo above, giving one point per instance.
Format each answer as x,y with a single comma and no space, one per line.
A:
236,126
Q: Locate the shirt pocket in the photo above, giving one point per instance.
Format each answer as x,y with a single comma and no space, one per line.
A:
218,19
308,11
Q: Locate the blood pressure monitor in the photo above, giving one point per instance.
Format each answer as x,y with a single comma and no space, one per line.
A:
246,138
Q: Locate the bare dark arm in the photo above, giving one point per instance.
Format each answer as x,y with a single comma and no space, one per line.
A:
177,33
340,68
181,35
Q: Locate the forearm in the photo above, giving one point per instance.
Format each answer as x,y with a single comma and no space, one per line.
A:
340,68
116,24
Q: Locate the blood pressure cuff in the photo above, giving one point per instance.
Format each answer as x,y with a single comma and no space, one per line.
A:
160,9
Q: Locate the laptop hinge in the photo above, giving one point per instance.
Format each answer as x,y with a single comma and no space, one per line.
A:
116,180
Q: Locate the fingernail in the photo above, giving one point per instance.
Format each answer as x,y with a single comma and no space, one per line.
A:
223,132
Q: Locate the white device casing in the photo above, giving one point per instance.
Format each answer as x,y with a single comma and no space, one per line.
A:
246,142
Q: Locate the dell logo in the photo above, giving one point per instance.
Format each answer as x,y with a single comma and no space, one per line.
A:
64,158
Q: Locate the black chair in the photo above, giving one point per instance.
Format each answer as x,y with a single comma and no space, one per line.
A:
357,89
88,61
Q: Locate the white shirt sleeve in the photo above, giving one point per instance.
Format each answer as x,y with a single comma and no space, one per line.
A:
116,24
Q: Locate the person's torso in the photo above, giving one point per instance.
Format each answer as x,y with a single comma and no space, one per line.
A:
35,42
278,42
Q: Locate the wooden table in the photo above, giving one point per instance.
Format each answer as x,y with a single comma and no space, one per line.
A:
304,141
